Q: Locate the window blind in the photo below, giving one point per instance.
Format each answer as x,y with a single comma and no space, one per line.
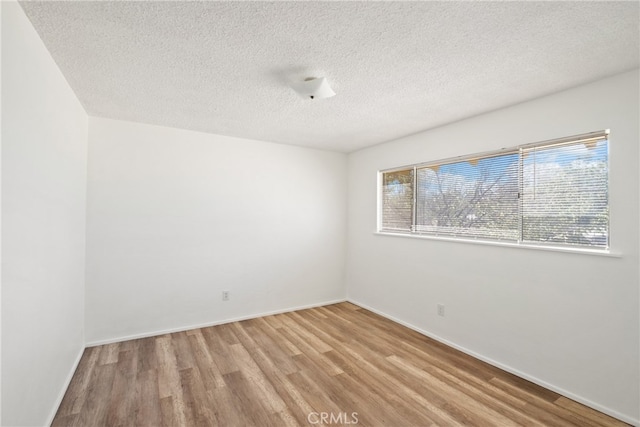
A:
565,193
546,193
476,198
397,200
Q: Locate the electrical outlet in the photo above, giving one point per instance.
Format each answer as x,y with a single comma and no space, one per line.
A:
225,295
441,310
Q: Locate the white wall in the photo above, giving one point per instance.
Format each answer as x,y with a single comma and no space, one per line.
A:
0,220
175,217
44,152
566,320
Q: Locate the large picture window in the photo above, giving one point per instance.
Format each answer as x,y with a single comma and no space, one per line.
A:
550,193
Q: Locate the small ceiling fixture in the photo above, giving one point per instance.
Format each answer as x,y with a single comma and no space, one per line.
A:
313,88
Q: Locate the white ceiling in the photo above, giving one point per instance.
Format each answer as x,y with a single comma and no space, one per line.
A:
397,67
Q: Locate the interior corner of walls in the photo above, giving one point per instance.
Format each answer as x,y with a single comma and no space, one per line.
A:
52,174
65,386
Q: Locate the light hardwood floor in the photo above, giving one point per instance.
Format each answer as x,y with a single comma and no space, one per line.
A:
340,364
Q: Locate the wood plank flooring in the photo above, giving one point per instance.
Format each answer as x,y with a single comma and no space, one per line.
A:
332,365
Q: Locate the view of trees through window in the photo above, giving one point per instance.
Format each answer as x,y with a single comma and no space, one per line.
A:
475,198
550,194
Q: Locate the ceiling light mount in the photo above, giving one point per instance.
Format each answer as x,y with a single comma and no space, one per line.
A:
313,88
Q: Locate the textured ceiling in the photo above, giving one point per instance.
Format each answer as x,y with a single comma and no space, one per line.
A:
397,67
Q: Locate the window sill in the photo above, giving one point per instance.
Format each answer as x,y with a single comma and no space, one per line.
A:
582,251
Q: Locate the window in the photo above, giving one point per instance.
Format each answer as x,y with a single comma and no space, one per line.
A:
550,193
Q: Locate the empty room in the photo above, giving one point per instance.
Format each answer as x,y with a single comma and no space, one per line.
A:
306,213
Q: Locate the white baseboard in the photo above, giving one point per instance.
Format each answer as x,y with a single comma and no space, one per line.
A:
572,396
207,324
64,388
